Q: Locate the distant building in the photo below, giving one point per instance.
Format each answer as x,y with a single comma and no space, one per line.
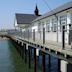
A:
24,20
53,22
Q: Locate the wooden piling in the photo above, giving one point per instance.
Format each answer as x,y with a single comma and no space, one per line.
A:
35,64
43,62
29,56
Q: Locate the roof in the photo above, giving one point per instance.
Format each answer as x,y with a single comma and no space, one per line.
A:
56,10
25,18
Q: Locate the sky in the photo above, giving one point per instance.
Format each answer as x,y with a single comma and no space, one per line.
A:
8,8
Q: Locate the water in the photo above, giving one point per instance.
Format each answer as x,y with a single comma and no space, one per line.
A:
11,61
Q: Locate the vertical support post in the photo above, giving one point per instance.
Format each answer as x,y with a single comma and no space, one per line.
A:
17,41
34,35
49,63
35,65
31,53
43,35
28,34
20,49
43,62
70,35
63,37
59,65
25,54
21,32
29,57
24,34
57,28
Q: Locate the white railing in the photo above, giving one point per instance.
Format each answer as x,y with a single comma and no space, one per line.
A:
45,37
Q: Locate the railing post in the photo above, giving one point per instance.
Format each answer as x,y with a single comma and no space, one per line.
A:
63,37
24,34
59,65
35,63
34,35
29,56
43,35
28,34
49,63
70,32
25,53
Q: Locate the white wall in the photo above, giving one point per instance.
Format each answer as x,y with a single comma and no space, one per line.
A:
53,35
15,23
63,66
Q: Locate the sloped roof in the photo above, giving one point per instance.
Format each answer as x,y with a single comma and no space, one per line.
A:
25,18
56,10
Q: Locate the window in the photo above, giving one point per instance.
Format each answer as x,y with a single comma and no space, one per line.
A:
42,26
54,24
63,21
39,26
70,25
48,26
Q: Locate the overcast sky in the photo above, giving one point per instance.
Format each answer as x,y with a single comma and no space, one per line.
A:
8,8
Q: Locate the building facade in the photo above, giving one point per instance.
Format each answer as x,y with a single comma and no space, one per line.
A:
54,22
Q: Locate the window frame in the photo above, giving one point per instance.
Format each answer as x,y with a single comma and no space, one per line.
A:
63,21
48,25
39,26
54,24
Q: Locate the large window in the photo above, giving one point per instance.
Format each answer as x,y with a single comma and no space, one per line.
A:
48,25
63,21
54,24
40,26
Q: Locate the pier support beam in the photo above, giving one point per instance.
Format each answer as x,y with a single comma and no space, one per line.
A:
18,41
43,62
25,53
22,43
29,49
35,64
63,37
49,63
59,65
37,57
37,52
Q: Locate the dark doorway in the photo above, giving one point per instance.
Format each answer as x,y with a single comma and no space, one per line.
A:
70,35
63,36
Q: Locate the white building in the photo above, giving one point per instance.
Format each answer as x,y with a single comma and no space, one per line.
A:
53,22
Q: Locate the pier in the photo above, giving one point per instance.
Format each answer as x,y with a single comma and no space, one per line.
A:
37,43
24,47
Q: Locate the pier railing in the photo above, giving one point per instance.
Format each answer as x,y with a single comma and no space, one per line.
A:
55,39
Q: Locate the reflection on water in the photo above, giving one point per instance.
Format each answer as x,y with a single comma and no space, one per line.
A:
11,61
